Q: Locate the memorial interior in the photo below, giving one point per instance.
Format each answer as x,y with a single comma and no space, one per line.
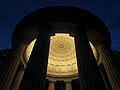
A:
62,55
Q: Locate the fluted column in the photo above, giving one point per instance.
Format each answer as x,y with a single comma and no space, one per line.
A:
110,67
105,77
18,77
68,85
13,61
89,74
35,73
51,85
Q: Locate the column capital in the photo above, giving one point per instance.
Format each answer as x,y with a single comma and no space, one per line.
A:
99,43
68,81
52,80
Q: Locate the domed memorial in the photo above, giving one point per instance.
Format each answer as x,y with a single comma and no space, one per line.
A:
60,48
62,55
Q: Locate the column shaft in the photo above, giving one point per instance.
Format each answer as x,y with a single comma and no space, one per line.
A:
110,67
68,86
35,73
18,77
51,86
89,74
13,61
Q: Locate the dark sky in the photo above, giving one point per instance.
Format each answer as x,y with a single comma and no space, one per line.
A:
12,11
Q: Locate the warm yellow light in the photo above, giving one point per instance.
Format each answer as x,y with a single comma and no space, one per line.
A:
29,50
62,55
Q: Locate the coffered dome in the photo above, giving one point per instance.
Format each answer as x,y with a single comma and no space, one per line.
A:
62,59
62,55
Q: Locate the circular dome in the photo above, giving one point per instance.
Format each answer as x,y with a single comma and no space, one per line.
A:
62,45
62,59
62,56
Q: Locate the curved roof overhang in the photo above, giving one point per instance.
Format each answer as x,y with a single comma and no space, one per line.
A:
28,28
60,19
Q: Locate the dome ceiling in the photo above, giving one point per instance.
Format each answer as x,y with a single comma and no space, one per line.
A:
62,55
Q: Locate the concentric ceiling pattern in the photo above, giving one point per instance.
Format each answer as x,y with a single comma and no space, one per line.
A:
62,55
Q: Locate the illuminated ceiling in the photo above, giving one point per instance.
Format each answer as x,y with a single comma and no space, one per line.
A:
62,55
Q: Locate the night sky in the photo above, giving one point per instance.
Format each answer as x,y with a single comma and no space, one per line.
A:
12,11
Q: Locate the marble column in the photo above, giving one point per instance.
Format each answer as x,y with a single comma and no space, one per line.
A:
68,85
51,85
9,70
36,70
105,77
18,77
109,65
89,73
